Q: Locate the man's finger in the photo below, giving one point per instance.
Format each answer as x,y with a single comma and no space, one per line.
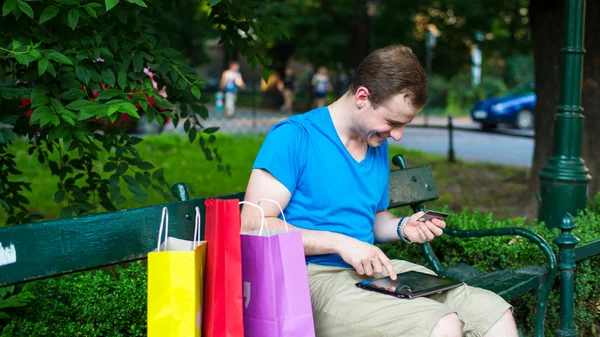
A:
359,269
434,229
377,268
439,223
387,264
367,267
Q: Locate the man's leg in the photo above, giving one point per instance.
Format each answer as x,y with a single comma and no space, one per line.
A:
504,327
448,326
482,312
342,309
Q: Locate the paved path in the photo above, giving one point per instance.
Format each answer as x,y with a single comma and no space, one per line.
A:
470,146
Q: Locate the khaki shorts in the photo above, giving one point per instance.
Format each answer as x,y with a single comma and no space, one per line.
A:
342,309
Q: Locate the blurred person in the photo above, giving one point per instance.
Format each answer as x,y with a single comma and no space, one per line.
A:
322,85
288,87
231,80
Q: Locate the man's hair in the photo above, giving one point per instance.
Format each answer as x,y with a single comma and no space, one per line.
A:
389,71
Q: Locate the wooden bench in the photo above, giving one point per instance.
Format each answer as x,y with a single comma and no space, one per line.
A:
63,246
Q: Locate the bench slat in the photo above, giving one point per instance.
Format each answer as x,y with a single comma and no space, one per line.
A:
411,186
511,283
67,245
587,250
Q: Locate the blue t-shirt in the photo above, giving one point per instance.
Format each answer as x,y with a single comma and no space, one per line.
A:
330,190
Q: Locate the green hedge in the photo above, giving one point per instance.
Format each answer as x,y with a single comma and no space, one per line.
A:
90,304
494,253
97,304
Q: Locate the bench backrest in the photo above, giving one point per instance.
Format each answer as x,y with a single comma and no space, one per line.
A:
411,186
62,246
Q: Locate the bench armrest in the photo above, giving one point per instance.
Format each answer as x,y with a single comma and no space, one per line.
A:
529,235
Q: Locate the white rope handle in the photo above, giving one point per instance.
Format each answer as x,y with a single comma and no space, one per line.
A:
197,225
164,221
280,211
262,214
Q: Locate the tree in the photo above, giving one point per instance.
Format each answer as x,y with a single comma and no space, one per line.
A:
547,27
72,71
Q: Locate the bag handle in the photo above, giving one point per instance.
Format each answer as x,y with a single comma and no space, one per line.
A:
197,226
262,214
280,210
164,221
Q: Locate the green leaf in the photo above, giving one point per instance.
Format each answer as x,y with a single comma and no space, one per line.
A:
43,111
138,62
83,74
58,132
108,77
211,130
112,109
51,70
34,53
60,58
122,79
109,93
214,2
48,13
110,166
73,94
8,7
21,59
78,104
73,18
16,44
91,12
129,109
110,4
139,3
42,65
26,9
192,134
196,92
59,196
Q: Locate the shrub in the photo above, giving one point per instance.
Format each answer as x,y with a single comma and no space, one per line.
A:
510,252
85,304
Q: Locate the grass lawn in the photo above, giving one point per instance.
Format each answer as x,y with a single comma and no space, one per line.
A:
484,186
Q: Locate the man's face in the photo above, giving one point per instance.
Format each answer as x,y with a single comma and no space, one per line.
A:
375,125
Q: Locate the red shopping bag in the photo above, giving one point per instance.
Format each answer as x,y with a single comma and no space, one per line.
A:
222,316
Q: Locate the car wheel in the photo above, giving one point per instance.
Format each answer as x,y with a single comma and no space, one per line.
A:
524,120
488,126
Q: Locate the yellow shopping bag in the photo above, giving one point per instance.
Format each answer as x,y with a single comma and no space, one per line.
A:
175,283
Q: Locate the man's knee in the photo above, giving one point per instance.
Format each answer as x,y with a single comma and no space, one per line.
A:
448,326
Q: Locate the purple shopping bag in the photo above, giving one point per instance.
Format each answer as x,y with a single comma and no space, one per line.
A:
275,284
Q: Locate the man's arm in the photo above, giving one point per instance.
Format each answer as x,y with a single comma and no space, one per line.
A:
364,257
263,185
386,228
239,81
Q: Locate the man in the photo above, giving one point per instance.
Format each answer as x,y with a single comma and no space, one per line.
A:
231,80
329,170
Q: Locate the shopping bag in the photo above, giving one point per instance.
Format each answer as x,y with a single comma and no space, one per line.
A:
276,294
175,279
223,280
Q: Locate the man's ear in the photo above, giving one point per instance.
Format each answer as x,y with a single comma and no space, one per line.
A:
361,97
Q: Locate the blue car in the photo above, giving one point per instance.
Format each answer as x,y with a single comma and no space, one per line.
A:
516,110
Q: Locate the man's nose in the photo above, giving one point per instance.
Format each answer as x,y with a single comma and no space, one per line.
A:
396,133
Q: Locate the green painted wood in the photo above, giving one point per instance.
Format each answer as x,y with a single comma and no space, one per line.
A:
462,271
511,283
587,250
411,186
62,246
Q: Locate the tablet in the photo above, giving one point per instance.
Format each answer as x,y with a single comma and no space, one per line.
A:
410,285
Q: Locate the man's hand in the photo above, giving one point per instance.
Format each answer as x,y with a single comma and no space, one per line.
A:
366,259
422,231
